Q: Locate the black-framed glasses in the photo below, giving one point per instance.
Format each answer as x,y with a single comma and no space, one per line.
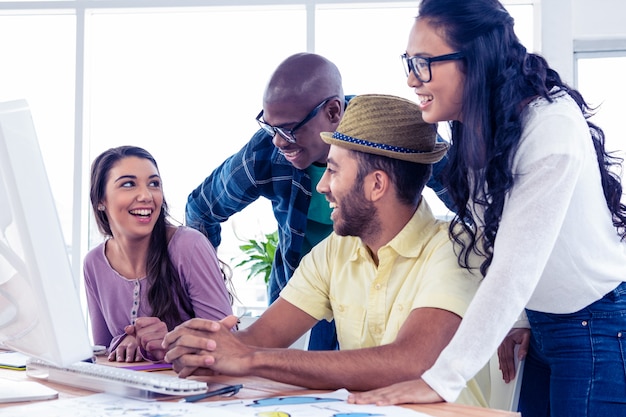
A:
420,65
289,134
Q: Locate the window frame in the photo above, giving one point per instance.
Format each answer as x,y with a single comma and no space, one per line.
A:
82,10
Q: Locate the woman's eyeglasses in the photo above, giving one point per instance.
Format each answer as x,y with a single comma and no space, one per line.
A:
420,66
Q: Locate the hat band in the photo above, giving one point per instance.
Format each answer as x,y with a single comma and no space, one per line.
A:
398,149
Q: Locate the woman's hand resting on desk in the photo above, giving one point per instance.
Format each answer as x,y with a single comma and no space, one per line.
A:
414,391
149,332
143,341
126,351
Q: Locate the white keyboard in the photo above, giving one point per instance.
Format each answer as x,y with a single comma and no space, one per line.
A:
114,380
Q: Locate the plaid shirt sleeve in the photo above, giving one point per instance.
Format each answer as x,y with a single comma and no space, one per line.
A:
257,170
230,188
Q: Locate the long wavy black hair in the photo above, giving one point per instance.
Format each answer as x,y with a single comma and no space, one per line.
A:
501,78
166,293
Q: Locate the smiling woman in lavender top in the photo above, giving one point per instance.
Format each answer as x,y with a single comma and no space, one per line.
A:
149,275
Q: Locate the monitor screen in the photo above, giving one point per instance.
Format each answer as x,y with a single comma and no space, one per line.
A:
40,311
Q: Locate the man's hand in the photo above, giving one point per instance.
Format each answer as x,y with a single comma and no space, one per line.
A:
198,344
506,351
415,391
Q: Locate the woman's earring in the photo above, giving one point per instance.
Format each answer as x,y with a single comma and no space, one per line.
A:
101,207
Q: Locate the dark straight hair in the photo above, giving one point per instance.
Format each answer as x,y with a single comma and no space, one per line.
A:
166,293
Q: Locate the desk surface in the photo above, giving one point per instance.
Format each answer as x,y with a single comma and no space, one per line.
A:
255,387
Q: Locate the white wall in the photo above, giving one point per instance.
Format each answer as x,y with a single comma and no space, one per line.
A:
568,26
597,18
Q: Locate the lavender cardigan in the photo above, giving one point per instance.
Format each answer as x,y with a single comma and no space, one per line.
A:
110,296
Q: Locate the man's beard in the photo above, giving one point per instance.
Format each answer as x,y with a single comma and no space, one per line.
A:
358,216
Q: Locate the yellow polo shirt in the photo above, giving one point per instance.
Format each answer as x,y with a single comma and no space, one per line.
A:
417,268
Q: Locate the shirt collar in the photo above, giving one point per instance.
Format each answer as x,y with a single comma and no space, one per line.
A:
410,241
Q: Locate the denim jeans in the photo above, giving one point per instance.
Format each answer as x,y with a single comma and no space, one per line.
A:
576,362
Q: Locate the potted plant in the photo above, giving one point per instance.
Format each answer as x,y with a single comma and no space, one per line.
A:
258,255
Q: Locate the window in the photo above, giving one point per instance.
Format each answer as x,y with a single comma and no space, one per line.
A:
183,80
38,65
596,75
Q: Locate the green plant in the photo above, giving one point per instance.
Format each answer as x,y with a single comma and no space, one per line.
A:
259,255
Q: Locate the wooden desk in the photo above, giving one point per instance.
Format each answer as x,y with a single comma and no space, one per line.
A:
255,387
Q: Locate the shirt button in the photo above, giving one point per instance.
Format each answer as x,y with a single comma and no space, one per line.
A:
377,286
584,323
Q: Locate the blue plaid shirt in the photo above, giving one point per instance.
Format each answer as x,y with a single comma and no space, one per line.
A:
242,179
246,176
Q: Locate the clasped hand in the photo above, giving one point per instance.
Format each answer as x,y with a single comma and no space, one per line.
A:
142,341
205,347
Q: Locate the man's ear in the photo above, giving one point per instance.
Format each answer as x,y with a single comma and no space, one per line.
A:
335,110
377,184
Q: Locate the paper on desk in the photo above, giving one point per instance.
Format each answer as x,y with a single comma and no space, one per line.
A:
105,405
315,405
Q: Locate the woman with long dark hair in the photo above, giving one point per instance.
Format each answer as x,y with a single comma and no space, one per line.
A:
538,195
147,267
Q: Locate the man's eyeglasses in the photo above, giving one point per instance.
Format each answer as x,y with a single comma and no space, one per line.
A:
421,65
289,134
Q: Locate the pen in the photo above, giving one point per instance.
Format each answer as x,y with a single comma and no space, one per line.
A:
231,389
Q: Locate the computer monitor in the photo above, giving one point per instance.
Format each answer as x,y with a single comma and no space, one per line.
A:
40,310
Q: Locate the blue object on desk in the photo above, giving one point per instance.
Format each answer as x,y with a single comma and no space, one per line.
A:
231,389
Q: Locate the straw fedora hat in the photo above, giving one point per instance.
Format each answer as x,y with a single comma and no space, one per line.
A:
388,126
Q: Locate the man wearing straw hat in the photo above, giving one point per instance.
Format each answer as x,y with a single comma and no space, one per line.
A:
388,274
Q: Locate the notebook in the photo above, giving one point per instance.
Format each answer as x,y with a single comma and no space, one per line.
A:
14,391
13,360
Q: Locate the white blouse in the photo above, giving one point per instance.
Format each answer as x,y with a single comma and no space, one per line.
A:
556,250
